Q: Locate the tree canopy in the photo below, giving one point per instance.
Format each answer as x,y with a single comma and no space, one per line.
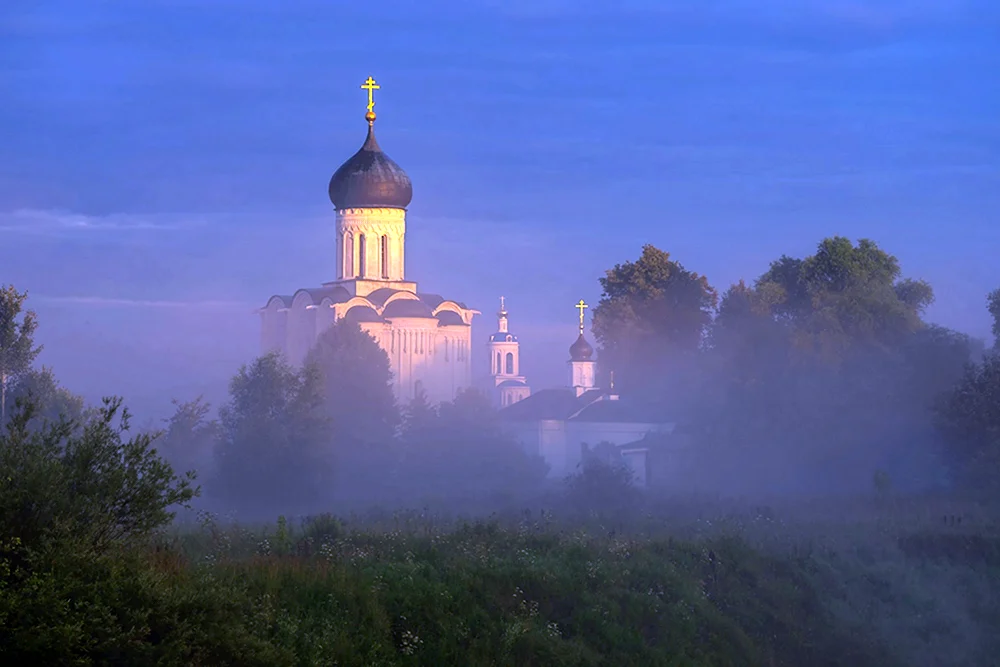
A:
357,385
190,436
274,443
993,305
650,310
17,341
823,369
458,451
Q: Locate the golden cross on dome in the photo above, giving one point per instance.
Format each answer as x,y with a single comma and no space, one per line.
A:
371,87
502,306
580,306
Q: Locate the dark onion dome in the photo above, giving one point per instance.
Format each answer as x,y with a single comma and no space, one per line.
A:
503,337
581,350
370,179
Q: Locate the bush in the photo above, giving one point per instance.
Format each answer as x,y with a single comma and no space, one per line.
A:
77,503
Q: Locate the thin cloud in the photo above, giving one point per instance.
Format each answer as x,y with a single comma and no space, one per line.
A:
112,302
59,222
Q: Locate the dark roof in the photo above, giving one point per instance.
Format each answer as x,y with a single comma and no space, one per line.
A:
370,179
549,404
501,337
450,318
335,293
359,314
581,350
381,295
619,412
286,299
432,300
512,383
407,308
594,406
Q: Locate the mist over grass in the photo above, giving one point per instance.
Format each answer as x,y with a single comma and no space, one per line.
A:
828,497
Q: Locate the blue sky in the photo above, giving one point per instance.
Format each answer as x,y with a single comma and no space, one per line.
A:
164,163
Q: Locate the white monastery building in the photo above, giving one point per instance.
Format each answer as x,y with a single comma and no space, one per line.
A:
427,337
562,425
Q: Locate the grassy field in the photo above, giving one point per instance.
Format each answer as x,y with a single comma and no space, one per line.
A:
908,583
885,583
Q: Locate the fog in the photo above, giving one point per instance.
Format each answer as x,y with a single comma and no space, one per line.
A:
164,172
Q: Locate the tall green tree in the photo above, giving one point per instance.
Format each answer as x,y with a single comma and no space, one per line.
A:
845,296
357,385
359,403
651,309
823,371
17,341
273,452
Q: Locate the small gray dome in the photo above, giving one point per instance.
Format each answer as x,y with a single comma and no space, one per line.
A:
581,350
370,179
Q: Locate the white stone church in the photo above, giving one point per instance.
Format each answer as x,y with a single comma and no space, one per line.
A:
428,338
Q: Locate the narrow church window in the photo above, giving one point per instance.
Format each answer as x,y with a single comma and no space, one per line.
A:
392,346
349,255
362,259
497,366
385,256
446,344
343,245
510,363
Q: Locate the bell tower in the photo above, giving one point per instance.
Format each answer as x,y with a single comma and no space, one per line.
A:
505,363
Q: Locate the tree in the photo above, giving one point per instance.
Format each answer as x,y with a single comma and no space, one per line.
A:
17,348
823,371
993,304
50,400
190,435
357,384
459,452
273,451
91,488
360,406
969,419
845,296
650,310
78,508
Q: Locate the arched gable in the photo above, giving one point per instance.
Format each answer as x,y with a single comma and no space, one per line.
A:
302,298
398,296
278,302
451,306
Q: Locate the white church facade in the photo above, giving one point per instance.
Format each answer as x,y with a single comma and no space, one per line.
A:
428,338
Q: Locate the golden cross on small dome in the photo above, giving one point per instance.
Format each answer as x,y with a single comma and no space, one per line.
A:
502,305
580,306
371,87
